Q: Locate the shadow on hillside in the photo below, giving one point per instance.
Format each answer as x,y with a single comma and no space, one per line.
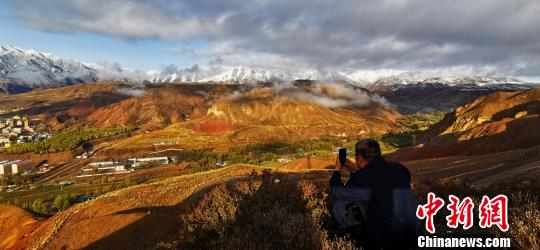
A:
517,134
269,208
529,107
274,211
95,100
160,224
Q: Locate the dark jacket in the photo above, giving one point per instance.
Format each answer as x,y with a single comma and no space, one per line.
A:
383,193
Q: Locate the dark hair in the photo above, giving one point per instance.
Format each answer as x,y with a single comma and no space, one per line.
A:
367,148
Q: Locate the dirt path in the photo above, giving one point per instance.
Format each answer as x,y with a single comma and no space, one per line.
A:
476,171
447,168
507,174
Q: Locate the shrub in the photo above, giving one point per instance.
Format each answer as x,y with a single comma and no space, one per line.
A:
259,214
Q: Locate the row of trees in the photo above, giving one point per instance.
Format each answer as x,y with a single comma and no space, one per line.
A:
206,159
45,207
67,140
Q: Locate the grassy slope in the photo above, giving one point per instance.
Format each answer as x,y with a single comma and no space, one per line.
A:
144,212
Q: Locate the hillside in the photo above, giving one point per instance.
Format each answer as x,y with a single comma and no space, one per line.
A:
149,107
228,206
110,104
60,105
266,108
135,217
15,225
496,122
266,115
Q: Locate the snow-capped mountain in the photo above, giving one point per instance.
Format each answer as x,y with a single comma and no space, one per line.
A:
238,74
210,73
418,80
22,70
412,92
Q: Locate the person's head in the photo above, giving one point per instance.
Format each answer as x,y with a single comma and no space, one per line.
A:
366,150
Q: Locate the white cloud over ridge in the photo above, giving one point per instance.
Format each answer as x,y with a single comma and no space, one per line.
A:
360,37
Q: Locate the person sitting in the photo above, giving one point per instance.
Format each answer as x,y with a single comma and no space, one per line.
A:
376,204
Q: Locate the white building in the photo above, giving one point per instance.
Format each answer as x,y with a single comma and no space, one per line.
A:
149,160
14,165
101,163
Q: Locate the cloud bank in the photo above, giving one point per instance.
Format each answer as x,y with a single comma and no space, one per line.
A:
484,36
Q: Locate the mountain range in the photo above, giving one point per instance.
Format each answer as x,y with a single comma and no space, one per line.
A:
22,70
411,93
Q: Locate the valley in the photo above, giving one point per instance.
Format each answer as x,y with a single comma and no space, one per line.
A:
118,151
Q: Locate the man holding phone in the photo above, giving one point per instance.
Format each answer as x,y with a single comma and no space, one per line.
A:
376,204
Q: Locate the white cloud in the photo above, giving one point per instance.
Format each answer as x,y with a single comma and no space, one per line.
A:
132,91
343,35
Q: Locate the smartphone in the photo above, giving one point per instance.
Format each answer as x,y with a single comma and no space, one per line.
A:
342,156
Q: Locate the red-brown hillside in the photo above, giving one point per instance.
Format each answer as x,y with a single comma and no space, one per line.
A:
155,106
15,225
263,112
497,122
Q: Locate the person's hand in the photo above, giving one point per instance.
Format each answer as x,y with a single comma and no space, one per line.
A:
337,164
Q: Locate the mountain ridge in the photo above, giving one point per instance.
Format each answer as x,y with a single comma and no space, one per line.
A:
491,123
22,70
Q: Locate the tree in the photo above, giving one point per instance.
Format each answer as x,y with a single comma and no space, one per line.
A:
37,205
66,204
62,201
3,181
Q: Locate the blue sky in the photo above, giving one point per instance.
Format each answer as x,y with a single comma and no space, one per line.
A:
140,53
360,37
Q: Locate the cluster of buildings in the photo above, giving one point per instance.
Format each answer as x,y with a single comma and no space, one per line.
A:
9,167
18,129
123,166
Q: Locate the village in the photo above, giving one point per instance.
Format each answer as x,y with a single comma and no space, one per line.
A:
19,129
23,170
